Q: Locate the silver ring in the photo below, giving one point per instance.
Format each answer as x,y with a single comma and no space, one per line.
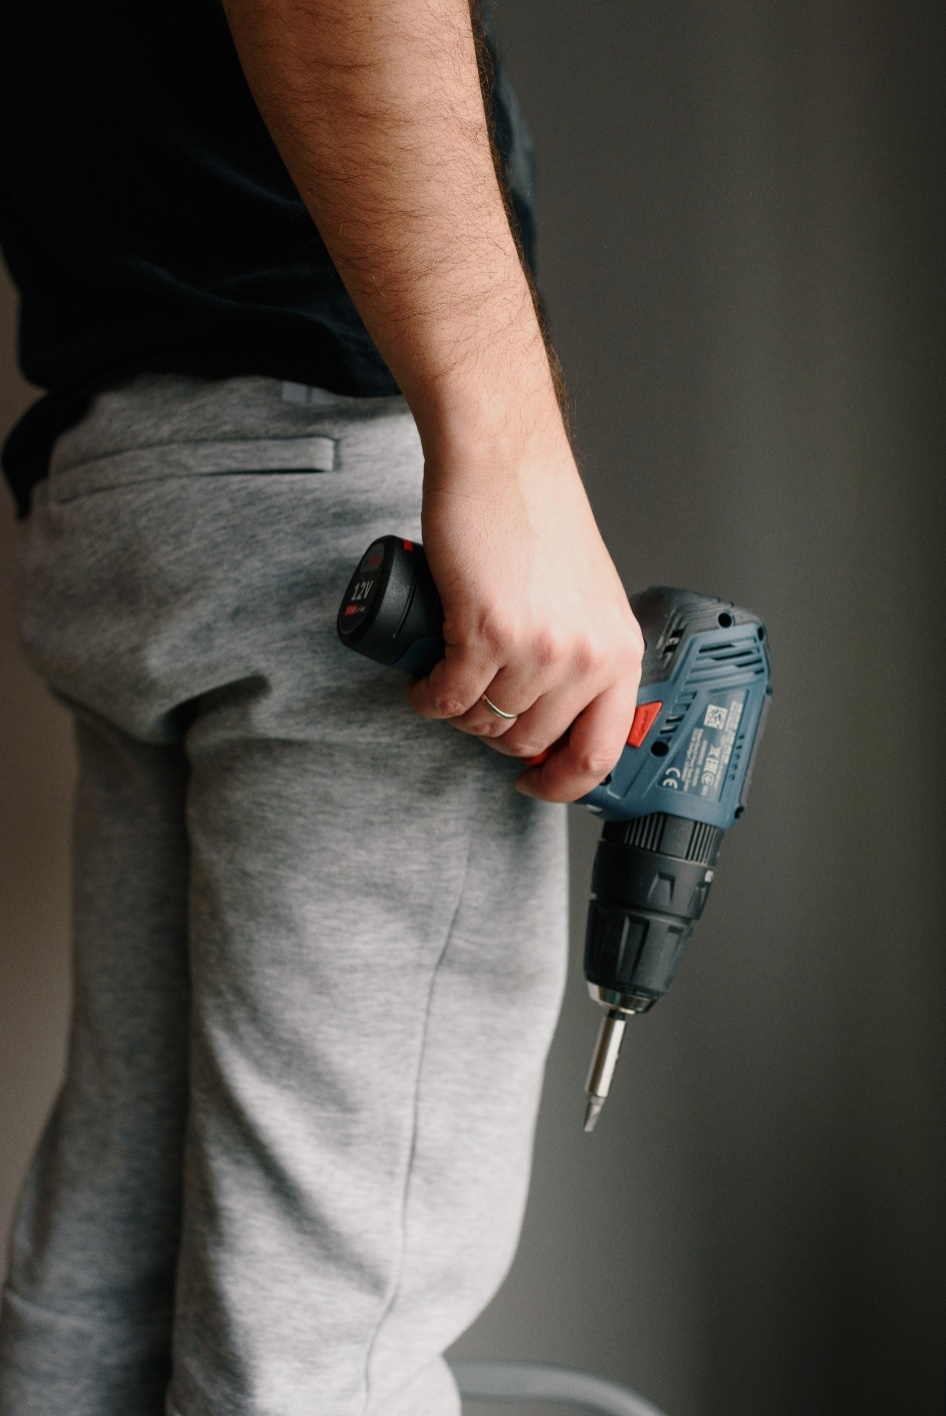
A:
498,711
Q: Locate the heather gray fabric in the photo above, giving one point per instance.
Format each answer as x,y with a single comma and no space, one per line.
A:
319,943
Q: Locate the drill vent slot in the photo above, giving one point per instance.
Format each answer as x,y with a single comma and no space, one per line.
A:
714,661
672,636
737,751
674,719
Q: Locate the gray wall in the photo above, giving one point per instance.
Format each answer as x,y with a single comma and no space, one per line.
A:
742,251
36,773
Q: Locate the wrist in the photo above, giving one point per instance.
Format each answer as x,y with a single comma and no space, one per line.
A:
501,414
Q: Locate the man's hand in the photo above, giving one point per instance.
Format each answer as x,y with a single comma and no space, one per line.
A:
534,616
375,106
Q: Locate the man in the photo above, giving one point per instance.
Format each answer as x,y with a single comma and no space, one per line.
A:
270,282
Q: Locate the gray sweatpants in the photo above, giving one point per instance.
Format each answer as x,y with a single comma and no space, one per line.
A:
319,943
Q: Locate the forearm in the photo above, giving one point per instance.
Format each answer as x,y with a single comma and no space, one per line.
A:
377,111
376,108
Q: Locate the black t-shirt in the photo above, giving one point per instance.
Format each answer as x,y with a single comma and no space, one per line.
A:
149,222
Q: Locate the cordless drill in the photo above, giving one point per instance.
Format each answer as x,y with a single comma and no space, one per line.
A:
679,785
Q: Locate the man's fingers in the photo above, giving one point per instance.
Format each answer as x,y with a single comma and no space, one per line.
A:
553,684
522,698
597,738
453,686
544,684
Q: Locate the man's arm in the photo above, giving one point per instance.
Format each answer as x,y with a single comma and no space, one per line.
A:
376,108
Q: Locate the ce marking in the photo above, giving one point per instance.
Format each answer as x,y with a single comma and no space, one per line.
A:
672,778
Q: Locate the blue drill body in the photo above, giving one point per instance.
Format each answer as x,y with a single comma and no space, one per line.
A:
713,687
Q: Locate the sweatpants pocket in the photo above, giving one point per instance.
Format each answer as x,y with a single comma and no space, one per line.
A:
168,461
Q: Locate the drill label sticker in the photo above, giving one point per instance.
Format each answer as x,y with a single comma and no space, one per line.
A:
702,771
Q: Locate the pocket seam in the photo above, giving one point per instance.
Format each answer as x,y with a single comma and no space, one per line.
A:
304,456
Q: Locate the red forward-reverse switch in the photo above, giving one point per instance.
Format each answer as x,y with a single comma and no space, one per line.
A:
644,719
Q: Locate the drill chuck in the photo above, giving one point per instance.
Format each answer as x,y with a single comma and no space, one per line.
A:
651,880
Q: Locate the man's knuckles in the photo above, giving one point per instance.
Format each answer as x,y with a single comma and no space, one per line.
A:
439,700
594,763
635,642
491,728
450,705
492,636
